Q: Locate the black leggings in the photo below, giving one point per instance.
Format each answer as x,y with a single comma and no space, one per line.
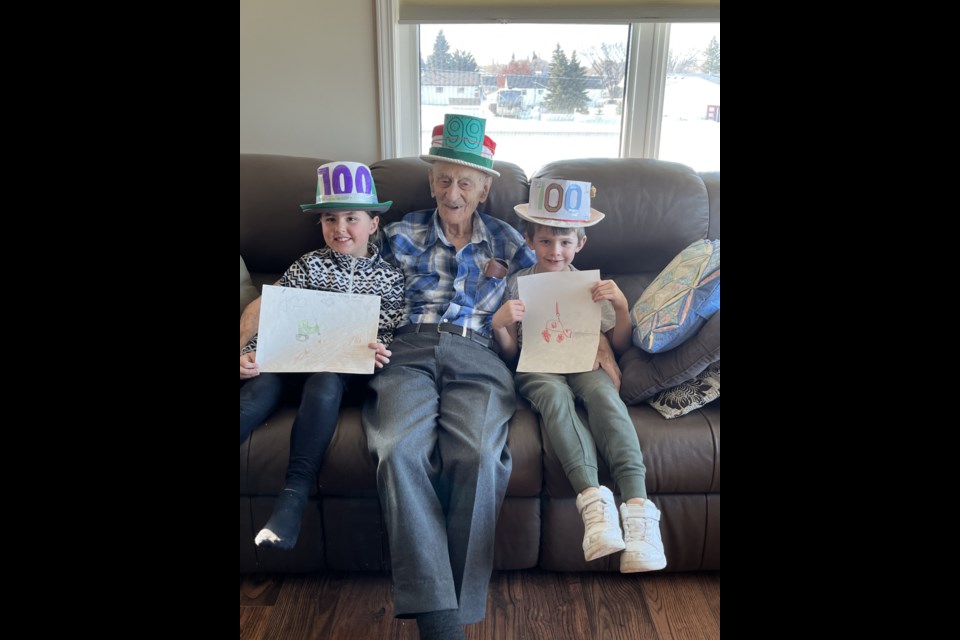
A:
315,423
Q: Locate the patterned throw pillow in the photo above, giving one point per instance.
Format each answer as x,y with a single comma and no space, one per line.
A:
689,395
680,299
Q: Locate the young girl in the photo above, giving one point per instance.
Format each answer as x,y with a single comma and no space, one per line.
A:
348,264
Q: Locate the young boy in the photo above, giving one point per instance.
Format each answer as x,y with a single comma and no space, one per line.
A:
555,243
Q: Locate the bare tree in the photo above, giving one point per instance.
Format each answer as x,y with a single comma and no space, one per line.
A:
538,64
609,61
686,61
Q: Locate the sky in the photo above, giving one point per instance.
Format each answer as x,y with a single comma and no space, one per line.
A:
499,41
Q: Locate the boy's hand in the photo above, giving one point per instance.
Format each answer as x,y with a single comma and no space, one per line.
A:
382,356
248,366
510,313
607,361
608,290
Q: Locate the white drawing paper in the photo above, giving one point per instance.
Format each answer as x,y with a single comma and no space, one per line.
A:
561,324
306,330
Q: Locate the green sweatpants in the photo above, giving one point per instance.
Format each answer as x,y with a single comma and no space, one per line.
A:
553,396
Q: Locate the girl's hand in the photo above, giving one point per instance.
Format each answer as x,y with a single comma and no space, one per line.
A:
248,366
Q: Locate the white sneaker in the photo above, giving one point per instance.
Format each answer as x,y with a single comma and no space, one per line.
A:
641,528
601,526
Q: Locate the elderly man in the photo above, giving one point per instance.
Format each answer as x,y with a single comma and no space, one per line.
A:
436,420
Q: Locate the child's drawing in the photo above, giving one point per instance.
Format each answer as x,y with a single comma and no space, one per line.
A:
305,330
552,345
556,327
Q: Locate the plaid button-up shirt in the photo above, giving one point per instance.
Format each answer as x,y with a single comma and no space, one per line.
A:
446,285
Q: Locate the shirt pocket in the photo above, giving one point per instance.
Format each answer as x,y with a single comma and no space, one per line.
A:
490,292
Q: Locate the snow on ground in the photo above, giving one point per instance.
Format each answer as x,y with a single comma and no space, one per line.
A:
685,136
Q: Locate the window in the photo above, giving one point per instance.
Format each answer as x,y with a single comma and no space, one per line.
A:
690,126
567,116
644,113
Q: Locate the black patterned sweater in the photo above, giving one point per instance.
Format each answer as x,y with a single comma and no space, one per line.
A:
327,270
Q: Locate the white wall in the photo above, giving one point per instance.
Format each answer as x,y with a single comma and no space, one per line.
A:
308,79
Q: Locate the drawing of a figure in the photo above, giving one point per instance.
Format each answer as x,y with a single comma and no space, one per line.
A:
555,326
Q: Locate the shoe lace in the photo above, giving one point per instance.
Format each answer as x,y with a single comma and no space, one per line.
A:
599,513
637,527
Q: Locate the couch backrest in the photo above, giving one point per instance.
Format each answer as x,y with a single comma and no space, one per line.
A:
712,182
653,209
273,230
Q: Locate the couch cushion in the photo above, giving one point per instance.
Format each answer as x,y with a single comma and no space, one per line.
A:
680,299
685,397
645,374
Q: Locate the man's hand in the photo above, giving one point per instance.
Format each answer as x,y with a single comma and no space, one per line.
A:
248,366
382,356
607,361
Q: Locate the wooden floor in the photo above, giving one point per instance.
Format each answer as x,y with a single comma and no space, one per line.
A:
520,605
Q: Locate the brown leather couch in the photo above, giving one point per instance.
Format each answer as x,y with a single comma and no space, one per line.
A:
654,209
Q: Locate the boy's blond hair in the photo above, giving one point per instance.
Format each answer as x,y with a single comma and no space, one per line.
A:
530,230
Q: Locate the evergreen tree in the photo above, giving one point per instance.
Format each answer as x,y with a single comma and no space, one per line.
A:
440,59
555,101
566,89
576,85
711,60
463,61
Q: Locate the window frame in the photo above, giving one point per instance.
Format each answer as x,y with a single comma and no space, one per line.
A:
398,59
